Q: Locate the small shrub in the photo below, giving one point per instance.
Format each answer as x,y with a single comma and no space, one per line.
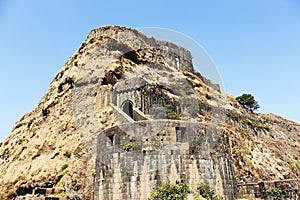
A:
201,105
275,193
169,191
128,146
296,164
207,192
216,197
20,141
65,172
32,134
94,173
11,193
233,115
255,124
263,126
198,197
173,115
64,167
67,154
61,194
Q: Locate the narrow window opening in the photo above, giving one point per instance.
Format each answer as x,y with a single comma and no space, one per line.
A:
111,138
180,134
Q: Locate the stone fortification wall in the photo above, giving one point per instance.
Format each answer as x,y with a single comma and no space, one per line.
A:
135,158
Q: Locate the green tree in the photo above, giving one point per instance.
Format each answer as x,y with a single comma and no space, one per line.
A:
248,102
169,191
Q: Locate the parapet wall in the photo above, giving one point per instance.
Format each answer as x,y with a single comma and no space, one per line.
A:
135,158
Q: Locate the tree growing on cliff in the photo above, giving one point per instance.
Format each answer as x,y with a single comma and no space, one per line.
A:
248,102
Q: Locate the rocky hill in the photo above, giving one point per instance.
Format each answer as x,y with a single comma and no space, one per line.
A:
52,149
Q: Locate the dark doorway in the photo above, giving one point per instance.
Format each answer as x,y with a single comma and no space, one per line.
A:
128,108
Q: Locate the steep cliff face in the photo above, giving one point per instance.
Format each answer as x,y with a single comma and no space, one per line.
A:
54,145
264,146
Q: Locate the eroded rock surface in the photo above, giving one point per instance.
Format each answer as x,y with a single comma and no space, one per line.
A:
54,145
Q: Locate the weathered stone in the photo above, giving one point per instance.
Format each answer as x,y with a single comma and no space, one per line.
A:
171,160
92,92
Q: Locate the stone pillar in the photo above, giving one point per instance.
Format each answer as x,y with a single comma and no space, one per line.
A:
118,98
143,102
110,94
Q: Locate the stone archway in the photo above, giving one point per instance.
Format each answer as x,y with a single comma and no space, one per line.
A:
128,108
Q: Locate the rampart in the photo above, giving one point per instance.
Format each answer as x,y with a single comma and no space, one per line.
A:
135,158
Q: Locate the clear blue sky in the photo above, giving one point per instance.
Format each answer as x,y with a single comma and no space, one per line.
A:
255,44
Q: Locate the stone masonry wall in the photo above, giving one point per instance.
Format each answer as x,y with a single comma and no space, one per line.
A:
135,158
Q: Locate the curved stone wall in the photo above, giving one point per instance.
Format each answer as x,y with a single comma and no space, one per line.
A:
135,158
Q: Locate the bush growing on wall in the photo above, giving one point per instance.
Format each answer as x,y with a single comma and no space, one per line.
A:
128,146
169,191
207,192
275,193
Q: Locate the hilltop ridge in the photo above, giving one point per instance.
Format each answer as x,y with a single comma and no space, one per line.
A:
54,146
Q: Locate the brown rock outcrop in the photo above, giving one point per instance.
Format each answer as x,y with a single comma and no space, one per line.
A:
54,145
